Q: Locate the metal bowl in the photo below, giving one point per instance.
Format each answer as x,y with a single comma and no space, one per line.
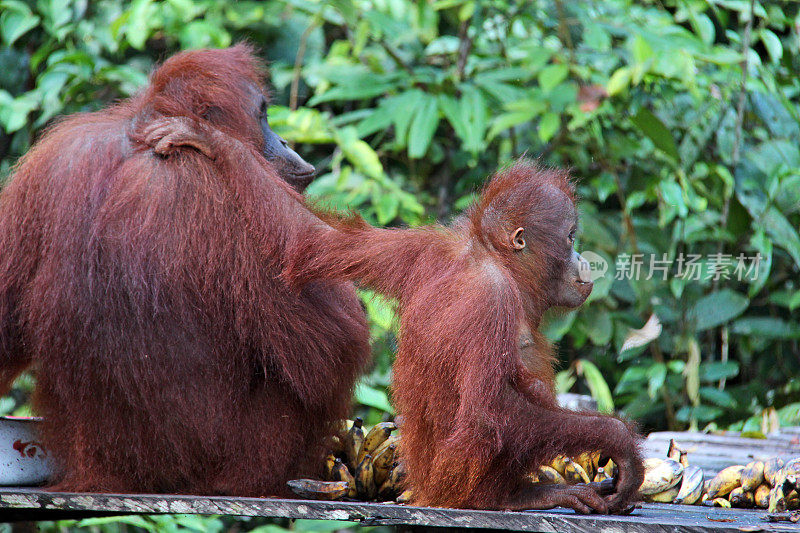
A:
23,460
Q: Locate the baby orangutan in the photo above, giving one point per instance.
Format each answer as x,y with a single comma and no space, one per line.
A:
473,377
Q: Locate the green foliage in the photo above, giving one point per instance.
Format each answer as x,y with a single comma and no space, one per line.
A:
406,107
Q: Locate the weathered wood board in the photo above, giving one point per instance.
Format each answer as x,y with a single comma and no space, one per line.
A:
32,504
714,452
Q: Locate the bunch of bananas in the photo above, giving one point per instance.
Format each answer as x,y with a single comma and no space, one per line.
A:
360,466
587,467
672,480
769,484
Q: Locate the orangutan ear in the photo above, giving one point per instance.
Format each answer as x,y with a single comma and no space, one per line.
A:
517,242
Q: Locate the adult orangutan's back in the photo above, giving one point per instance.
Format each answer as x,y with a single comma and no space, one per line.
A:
144,290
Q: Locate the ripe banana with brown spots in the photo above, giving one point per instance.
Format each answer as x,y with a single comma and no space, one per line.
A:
353,441
314,489
365,479
374,438
342,473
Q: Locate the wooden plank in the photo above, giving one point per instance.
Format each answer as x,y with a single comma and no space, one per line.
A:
32,504
714,452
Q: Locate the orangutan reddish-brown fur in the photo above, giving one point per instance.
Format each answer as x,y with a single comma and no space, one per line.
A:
473,377
145,292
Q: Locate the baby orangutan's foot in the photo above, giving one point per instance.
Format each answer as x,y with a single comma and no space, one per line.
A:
582,498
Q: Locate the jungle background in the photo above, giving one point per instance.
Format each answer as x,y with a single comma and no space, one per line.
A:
679,118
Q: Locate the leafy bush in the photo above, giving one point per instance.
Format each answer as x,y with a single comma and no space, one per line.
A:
679,118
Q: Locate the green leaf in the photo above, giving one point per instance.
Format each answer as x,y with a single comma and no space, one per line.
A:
426,119
141,14
657,132
632,380
718,370
403,112
16,20
380,309
619,81
552,75
366,395
467,116
718,397
673,196
717,308
563,382
701,413
386,206
202,34
598,325
548,126
14,111
359,153
774,115
656,376
766,327
555,325
773,45
597,385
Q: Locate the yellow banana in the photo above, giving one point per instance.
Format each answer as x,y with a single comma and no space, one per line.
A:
353,442
376,436
547,474
673,452
342,473
691,485
574,473
382,464
390,488
660,475
684,459
721,502
761,496
610,468
384,456
777,500
791,468
793,501
318,490
393,439
724,482
752,475
365,479
405,497
330,461
587,462
559,464
771,469
667,496
741,498
386,491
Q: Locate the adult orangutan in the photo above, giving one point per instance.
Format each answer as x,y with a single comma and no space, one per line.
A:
473,377
144,289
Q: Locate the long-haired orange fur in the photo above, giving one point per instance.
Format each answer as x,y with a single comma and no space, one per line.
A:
473,378
145,292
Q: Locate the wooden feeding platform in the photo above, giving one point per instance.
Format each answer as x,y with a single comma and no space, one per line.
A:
714,452
32,504
710,452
